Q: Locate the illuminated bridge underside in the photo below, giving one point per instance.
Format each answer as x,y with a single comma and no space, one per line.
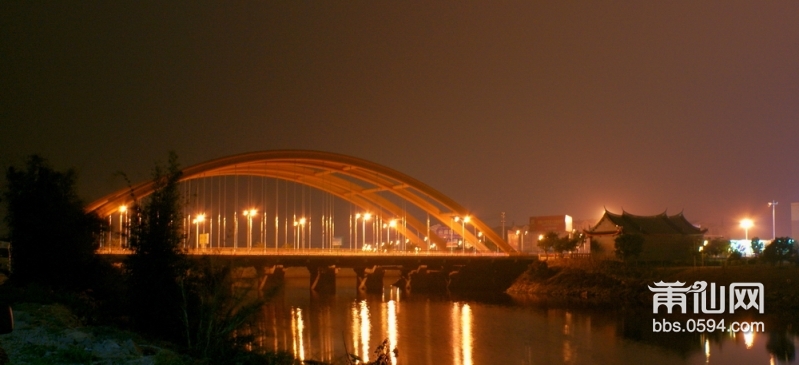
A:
355,180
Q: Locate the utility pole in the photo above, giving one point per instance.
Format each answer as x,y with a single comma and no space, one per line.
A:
773,205
502,220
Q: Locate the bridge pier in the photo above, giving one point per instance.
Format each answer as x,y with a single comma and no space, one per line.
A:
423,279
323,278
270,277
369,279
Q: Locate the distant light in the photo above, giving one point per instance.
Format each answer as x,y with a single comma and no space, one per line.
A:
457,219
302,221
467,219
540,237
393,223
200,218
747,223
358,215
367,216
123,208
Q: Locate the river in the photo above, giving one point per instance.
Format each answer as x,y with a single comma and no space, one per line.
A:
434,329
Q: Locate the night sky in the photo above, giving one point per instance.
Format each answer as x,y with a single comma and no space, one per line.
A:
530,108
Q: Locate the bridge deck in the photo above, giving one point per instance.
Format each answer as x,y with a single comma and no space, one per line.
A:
339,258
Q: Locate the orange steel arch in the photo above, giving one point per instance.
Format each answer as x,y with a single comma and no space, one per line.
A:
352,179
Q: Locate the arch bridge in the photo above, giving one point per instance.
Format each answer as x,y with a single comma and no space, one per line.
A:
372,187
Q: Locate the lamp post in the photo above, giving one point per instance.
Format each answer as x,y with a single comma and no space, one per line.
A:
746,224
366,217
463,230
296,234
302,232
199,219
122,210
249,214
392,224
773,205
357,215
466,219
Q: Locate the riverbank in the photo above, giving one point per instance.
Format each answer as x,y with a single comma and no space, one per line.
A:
52,334
613,283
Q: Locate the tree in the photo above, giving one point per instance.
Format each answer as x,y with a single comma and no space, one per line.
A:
628,246
566,243
548,242
757,246
52,238
781,249
717,246
157,264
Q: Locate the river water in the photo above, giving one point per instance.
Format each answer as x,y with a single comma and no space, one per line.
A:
430,329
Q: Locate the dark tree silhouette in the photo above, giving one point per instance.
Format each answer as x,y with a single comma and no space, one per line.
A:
757,246
779,250
52,238
157,263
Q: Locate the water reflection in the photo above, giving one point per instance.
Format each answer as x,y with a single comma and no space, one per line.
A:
462,342
436,329
298,333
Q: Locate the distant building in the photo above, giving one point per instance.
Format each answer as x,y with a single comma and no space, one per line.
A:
666,237
795,220
541,225
451,236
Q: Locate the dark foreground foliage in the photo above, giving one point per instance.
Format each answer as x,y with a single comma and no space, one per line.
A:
52,238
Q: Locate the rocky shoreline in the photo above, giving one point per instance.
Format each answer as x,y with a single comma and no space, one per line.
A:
51,334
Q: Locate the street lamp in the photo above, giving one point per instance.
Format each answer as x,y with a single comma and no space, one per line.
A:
122,210
249,214
200,218
297,234
392,224
302,232
463,230
357,215
746,224
366,217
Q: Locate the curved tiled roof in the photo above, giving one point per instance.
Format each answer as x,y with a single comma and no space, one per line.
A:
653,224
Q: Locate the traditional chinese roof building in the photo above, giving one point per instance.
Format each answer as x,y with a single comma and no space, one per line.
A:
666,237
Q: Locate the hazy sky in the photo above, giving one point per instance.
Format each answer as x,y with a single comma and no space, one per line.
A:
532,108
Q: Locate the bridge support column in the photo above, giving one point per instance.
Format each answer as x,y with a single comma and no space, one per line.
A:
423,279
323,278
270,277
369,279
486,276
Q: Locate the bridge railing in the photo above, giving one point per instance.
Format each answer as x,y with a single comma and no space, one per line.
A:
307,252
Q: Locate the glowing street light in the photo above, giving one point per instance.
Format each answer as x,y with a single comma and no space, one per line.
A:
746,224
199,219
249,214
357,216
391,224
302,232
122,210
463,230
366,217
